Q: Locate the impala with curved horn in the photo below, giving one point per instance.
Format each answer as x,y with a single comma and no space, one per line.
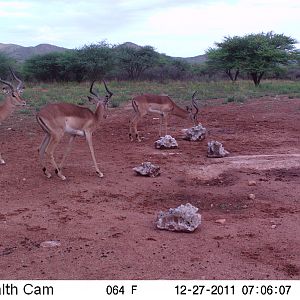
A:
162,105
12,100
56,119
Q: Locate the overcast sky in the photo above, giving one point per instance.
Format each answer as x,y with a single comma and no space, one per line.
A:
174,27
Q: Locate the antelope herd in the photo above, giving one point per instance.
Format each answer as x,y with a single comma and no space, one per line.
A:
56,119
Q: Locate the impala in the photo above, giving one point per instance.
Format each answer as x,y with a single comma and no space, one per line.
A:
162,105
12,100
56,119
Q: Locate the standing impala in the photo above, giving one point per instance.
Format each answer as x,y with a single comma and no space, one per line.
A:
162,105
59,118
12,99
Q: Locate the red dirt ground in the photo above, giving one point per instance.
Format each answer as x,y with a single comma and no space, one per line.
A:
106,227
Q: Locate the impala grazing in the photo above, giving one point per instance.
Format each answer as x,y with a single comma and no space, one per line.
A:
162,105
12,100
60,118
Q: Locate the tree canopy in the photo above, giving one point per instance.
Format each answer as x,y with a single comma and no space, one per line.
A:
256,54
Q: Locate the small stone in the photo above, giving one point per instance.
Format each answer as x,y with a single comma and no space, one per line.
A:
251,182
184,218
273,226
166,142
50,244
220,221
251,196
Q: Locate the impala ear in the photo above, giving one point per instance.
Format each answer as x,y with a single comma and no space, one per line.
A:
5,90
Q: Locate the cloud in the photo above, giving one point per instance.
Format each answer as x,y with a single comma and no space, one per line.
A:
175,27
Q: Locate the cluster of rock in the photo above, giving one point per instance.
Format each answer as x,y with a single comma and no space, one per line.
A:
184,218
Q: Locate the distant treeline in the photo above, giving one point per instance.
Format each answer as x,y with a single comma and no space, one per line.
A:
252,56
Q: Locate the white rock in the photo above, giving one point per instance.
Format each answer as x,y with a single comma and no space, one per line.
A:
147,169
251,182
166,142
49,244
220,221
251,196
216,149
183,218
196,133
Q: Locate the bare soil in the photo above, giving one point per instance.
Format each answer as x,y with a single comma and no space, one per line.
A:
105,227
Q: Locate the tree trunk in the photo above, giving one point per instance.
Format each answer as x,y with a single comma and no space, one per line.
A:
231,76
236,74
257,76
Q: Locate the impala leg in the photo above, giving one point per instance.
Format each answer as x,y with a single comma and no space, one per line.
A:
166,124
163,121
54,140
133,125
67,151
160,124
130,127
134,121
90,143
41,151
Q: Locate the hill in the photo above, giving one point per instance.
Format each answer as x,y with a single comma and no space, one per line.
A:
199,59
21,53
192,60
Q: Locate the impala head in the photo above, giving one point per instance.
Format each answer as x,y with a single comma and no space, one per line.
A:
193,115
14,93
100,100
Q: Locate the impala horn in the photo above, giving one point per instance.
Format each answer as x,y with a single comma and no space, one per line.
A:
91,90
194,103
20,82
108,91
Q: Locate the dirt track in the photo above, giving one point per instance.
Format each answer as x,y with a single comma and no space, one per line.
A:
106,226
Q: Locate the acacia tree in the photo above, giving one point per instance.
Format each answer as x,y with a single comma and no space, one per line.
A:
97,60
226,57
43,67
135,61
5,63
255,54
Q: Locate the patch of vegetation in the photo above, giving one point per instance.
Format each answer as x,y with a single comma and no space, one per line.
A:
179,91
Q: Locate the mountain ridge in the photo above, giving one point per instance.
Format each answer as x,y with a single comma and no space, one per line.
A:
22,53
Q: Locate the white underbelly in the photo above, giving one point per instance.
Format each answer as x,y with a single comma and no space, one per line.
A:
73,131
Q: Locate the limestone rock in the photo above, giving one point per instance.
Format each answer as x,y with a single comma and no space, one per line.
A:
220,221
183,218
147,169
50,244
166,142
251,182
251,196
196,133
216,149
